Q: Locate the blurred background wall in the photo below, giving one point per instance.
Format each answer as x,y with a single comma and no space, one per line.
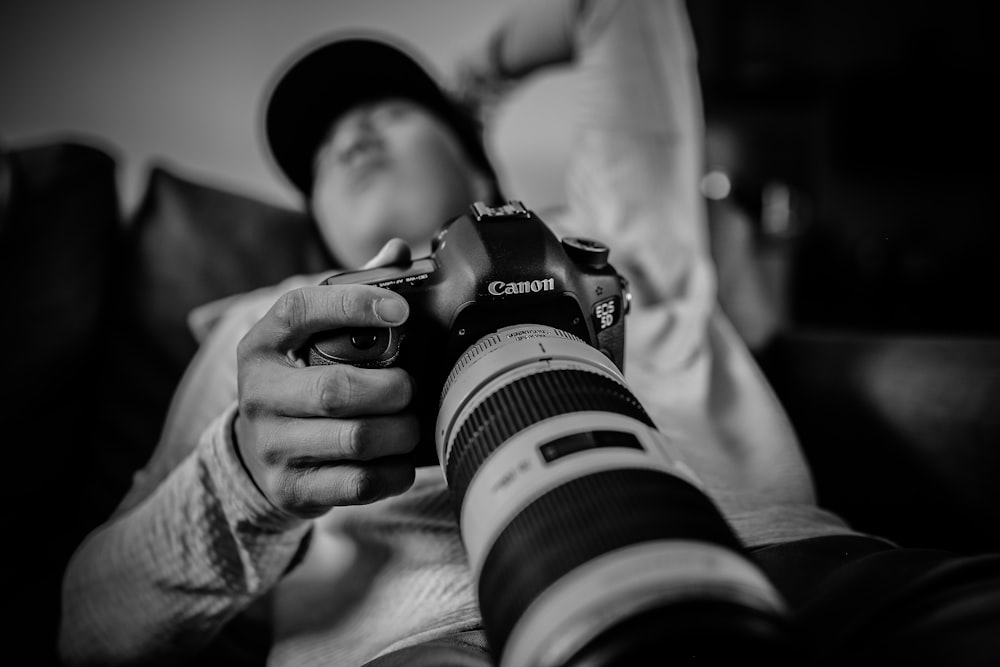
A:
183,80
859,138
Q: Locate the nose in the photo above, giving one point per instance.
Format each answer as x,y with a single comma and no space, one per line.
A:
366,119
360,134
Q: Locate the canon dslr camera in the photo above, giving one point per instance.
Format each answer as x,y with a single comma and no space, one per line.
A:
492,268
591,543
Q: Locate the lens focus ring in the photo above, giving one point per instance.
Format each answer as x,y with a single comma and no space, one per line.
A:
525,402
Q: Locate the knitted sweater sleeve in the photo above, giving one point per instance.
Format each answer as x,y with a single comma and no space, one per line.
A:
159,581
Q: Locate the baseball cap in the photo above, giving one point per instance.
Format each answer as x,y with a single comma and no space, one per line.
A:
329,77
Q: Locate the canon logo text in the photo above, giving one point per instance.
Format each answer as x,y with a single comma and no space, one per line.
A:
499,287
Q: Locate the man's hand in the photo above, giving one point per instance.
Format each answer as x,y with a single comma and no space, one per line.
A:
316,437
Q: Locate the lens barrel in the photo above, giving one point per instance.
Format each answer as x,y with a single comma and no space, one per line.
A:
583,528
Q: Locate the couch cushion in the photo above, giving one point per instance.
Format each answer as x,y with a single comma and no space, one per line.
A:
195,243
902,432
5,187
188,242
59,221
59,216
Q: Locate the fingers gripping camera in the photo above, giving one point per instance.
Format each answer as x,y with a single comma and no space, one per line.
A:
490,268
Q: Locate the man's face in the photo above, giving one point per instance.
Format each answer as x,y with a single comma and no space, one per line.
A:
389,169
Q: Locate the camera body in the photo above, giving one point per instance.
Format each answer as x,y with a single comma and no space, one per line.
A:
490,268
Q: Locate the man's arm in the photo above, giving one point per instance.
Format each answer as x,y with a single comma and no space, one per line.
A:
161,579
533,36
637,155
120,599
638,149
636,163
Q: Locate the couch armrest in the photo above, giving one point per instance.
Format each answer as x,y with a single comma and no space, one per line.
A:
903,432
59,220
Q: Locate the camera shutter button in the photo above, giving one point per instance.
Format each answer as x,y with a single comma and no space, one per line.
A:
586,252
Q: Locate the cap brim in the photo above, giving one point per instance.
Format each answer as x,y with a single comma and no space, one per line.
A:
329,79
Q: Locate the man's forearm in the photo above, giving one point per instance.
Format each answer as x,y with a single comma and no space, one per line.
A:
160,581
533,36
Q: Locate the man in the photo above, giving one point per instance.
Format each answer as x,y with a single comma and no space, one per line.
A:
281,494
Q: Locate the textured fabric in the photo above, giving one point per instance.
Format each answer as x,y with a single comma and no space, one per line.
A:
201,549
384,577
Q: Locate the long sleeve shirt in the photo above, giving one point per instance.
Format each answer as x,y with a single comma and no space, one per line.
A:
194,544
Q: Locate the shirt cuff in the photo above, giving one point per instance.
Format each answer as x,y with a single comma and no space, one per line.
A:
241,500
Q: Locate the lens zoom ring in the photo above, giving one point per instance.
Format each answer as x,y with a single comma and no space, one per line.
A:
581,520
527,401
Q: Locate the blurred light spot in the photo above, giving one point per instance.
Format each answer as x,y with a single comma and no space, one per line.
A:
715,184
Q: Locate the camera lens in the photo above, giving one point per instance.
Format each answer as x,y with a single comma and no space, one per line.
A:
371,347
584,531
364,339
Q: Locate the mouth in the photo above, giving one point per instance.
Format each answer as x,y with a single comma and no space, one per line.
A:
363,147
364,158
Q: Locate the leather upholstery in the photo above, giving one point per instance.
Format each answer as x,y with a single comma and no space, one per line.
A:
902,432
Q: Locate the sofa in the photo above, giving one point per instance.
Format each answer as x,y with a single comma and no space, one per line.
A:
902,429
